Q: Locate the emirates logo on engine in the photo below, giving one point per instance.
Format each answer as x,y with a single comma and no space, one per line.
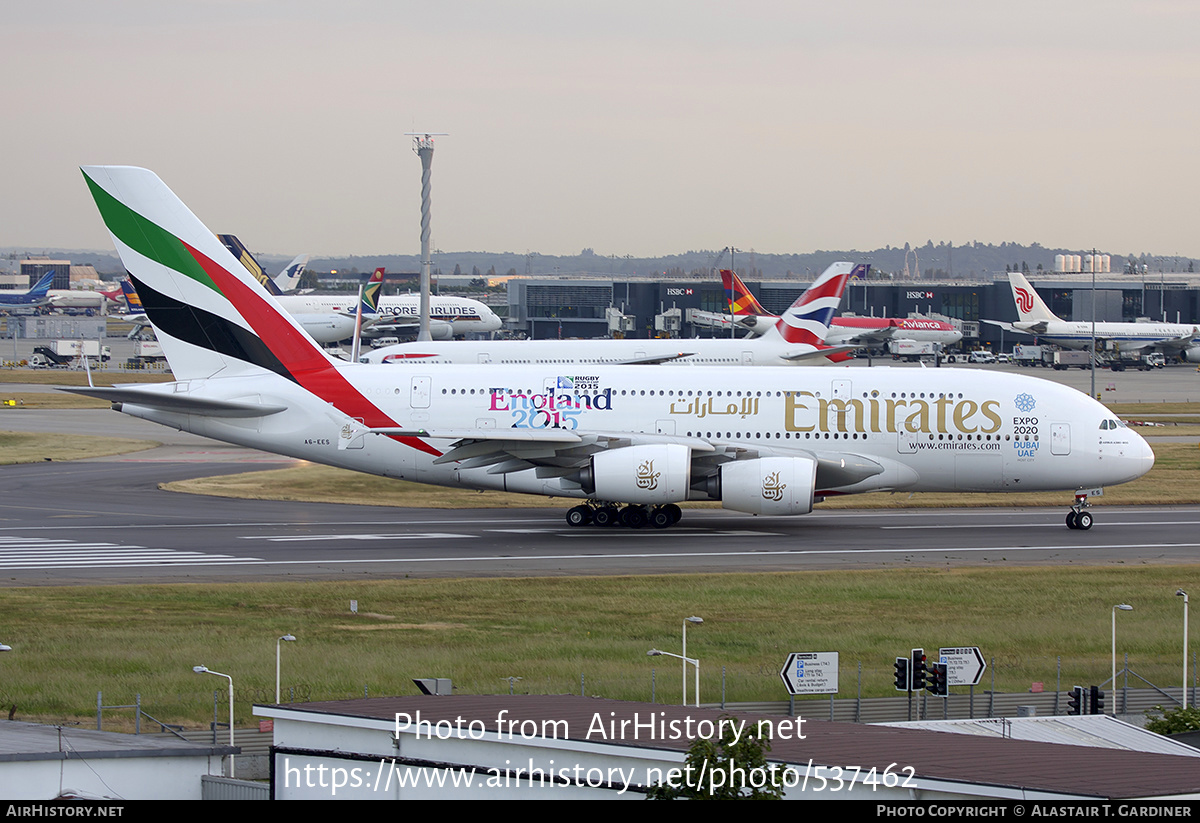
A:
647,477
772,489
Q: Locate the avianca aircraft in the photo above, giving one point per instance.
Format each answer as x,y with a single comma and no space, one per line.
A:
770,441
36,296
843,331
793,339
1035,318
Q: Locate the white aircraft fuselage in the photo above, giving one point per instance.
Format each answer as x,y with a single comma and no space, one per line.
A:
881,429
464,315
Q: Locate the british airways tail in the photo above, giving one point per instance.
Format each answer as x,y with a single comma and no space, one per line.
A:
807,321
210,315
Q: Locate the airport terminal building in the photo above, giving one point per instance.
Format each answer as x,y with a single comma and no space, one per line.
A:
594,307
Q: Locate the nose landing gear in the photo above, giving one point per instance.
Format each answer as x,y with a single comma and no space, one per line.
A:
1078,517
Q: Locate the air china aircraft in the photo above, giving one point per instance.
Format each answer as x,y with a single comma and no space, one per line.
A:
793,339
1035,318
769,441
843,331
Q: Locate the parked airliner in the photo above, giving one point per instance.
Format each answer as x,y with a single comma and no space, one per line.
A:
1035,318
769,441
843,331
795,338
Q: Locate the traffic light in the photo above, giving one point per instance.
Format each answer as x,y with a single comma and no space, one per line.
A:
1076,703
917,670
901,677
1097,700
938,684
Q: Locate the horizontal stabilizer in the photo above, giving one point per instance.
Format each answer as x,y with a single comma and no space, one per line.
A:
178,402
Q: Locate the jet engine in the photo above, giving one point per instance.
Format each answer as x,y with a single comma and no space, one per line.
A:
768,485
653,474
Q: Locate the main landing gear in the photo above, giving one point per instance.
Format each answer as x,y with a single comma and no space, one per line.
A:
1079,517
633,516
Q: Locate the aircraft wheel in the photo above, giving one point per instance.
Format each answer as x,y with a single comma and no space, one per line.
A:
1083,521
1072,519
605,516
633,516
660,518
675,512
579,516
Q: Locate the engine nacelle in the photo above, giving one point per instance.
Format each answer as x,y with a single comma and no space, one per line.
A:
769,485
1192,355
640,474
441,330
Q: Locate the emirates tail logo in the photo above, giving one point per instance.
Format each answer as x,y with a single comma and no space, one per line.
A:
772,489
1024,299
647,477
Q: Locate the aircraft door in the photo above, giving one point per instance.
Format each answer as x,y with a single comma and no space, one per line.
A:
420,391
1060,438
842,390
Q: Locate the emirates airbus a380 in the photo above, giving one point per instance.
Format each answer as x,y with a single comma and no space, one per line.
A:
629,443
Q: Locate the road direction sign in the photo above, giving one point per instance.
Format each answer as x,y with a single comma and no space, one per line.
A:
811,673
964,665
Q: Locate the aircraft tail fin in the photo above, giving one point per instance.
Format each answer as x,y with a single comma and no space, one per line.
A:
1030,306
133,303
209,313
741,301
42,287
807,320
238,249
372,293
287,280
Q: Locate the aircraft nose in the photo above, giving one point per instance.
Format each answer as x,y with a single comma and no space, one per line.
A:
1145,456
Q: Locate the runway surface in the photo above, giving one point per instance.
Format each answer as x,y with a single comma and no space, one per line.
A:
105,521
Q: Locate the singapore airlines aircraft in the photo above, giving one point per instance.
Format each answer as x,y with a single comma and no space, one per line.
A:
794,338
770,441
449,316
1172,339
858,331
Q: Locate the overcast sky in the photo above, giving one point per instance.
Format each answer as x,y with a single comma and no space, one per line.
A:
627,126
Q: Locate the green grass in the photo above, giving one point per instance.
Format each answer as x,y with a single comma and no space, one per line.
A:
70,643
26,447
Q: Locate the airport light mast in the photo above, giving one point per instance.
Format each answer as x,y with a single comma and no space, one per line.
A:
423,146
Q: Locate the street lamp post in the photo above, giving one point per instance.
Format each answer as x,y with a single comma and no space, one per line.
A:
686,661
697,621
206,670
288,639
1183,594
1125,608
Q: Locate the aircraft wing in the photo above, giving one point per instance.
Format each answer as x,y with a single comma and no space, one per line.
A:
800,355
1006,326
181,402
565,453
